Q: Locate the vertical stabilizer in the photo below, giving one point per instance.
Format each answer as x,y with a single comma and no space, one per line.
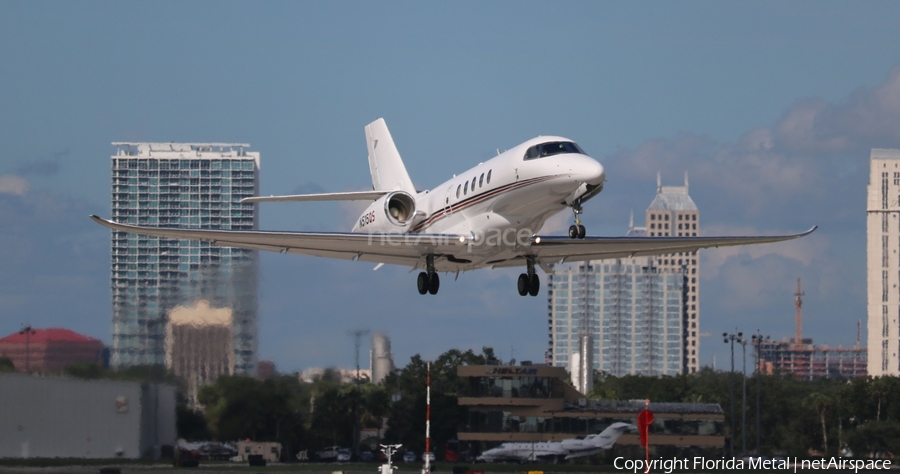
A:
608,437
388,171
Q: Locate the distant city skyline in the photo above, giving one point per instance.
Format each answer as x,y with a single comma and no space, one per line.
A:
771,108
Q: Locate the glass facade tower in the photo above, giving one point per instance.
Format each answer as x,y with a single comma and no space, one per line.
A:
193,185
632,309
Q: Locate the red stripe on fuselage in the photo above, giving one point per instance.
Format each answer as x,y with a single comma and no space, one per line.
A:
476,199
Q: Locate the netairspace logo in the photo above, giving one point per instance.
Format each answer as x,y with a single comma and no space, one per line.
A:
754,464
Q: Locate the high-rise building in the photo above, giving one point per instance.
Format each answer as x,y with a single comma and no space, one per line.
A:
630,309
642,314
674,214
200,344
883,263
192,185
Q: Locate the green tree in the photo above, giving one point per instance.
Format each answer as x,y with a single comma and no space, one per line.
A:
6,365
875,437
879,388
821,403
240,407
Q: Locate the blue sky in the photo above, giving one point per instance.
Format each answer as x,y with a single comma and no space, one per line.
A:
771,107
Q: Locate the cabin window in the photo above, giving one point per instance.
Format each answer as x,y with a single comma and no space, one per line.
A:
458,189
473,183
466,188
481,180
489,177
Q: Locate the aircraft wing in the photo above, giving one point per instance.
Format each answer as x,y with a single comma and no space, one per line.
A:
349,196
584,452
557,249
404,249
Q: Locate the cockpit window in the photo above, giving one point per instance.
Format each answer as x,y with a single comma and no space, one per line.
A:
552,148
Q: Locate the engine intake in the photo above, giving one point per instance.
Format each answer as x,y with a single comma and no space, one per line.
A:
399,207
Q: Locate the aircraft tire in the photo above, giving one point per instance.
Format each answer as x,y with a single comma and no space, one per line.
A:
534,285
434,284
581,231
573,232
523,284
422,283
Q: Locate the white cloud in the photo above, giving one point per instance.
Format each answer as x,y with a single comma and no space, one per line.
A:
12,184
804,251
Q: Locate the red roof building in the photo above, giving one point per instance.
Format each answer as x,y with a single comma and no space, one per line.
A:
49,350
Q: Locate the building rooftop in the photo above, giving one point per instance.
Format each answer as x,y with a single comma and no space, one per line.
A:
885,154
672,198
47,335
635,406
185,150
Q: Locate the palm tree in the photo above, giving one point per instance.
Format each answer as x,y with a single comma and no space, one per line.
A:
821,403
879,389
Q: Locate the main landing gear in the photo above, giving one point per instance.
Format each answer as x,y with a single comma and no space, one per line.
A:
428,281
577,231
529,283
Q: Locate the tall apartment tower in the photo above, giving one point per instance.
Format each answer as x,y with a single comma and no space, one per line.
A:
192,185
883,263
642,312
674,214
630,308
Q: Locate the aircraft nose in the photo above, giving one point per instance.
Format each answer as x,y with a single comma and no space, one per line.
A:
593,173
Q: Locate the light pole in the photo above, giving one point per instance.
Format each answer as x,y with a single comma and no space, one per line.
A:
743,343
28,332
732,338
758,339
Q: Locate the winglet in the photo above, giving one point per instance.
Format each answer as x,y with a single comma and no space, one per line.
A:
101,221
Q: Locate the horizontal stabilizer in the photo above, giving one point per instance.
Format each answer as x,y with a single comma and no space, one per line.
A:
351,196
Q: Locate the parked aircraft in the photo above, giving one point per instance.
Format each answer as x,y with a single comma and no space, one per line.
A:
556,450
489,216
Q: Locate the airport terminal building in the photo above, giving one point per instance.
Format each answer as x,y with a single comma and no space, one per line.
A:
531,403
61,417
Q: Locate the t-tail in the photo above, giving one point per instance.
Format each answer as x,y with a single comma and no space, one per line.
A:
608,437
385,164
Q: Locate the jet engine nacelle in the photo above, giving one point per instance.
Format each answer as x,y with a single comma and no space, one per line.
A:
391,214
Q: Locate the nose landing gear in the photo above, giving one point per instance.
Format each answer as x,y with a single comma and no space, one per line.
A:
577,231
529,283
428,281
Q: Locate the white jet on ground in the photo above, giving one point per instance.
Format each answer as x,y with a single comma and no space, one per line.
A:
556,450
488,216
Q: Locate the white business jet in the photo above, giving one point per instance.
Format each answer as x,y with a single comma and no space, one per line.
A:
488,216
555,450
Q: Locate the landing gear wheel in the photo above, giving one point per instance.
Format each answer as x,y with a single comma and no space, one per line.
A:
534,285
422,283
573,232
434,284
581,231
523,284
